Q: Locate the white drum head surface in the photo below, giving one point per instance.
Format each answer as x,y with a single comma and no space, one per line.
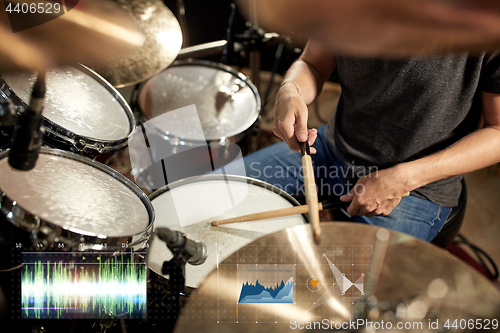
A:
75,195
202,202
77,102
226,105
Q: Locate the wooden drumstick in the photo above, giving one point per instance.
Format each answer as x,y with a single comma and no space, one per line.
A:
280,213
270,214
311,191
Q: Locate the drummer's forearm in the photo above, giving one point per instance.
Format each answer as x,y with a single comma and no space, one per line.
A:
311,70
475,151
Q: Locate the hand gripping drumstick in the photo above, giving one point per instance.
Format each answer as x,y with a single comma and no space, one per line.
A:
311,191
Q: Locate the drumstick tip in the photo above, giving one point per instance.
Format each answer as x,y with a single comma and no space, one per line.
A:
317,237
215,223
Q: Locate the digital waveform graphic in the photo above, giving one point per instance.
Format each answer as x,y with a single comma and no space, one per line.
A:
63,289
281,293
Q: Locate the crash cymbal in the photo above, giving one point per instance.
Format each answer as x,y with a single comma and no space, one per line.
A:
17,55
356,271
163,43
91,31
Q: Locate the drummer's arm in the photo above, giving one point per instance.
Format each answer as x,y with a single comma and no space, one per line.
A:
475,151
308,73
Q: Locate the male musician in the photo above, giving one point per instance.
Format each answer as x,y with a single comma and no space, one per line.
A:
401,125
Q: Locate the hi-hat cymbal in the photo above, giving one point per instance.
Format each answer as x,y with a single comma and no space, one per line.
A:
357,271
163,43
91,31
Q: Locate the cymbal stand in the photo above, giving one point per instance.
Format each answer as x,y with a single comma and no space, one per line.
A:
181,15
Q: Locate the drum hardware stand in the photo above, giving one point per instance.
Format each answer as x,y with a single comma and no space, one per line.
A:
28,131
229,48
181,14
8,115
184,251
8,118
176,270
253,40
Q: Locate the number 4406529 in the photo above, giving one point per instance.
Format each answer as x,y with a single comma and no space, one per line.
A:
46,7
485,324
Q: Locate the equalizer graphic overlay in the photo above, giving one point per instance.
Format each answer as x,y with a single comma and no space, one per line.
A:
257,276
83,285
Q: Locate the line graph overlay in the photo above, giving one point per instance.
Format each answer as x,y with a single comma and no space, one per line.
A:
342,264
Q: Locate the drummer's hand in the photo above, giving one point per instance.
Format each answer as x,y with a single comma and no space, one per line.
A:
377,193
290,119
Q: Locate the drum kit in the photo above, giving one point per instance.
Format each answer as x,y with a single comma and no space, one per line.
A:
71,201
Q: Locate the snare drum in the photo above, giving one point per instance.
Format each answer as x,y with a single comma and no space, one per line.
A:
190,206
69,202
227,108
82,112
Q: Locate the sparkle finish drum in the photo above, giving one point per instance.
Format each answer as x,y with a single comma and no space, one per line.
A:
82,112
73,203
190,205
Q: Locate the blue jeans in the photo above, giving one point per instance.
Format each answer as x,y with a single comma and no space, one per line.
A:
281,167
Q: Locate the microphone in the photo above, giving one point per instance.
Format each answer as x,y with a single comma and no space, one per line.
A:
28,132
229,48
195,252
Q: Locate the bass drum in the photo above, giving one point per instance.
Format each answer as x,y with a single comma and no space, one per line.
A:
190,205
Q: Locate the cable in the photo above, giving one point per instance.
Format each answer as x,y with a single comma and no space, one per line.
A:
480,253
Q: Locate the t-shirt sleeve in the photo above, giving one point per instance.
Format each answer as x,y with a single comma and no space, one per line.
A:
489,80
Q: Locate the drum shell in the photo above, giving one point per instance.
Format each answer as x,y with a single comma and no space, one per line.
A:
59,137
195,163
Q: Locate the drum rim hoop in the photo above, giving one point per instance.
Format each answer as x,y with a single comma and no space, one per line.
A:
238,178
215,65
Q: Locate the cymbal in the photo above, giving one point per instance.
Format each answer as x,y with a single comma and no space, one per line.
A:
163,43
16,55
93,30
356,271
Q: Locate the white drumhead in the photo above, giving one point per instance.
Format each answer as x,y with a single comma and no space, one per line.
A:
75,196
77,102
196,205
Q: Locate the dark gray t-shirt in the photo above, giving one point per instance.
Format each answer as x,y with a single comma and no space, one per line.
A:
394,111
